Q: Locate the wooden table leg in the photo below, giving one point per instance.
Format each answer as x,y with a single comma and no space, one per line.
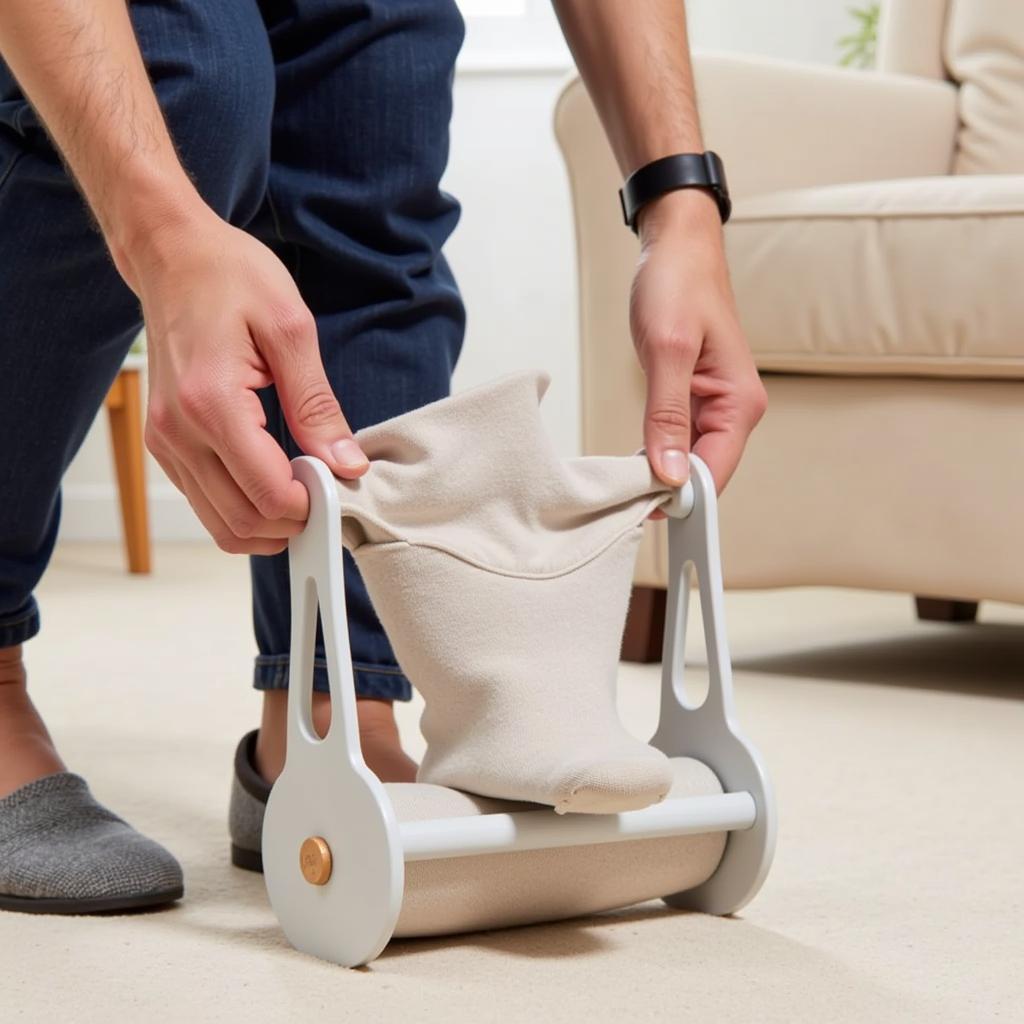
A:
124,411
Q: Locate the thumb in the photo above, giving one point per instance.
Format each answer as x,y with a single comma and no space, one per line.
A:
308,402
667,424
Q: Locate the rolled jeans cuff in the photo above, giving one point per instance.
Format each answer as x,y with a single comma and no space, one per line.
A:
20,625
383,682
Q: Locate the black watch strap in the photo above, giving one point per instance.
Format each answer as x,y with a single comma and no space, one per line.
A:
684,170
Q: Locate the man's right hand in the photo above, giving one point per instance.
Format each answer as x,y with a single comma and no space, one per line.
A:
223,320
224,317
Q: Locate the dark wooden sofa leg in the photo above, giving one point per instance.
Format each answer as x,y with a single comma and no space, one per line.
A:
645,625
945,609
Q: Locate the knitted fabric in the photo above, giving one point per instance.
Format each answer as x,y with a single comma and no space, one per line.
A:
502,575
57,842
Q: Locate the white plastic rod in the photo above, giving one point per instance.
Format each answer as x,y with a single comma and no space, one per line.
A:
544,829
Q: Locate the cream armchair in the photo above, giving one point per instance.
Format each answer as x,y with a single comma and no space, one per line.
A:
877,254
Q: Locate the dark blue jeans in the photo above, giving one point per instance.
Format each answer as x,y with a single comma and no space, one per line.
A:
320,126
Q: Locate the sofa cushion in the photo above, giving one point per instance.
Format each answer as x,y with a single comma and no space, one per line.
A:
921,276
985,54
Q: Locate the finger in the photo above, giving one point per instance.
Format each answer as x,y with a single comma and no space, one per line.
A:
667,417
243,519
233,428
290,346
216,526
724,421
178,474
721,450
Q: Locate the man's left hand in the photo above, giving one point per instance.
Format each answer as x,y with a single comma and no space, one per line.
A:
703,390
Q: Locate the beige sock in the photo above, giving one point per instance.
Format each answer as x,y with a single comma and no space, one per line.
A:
501,574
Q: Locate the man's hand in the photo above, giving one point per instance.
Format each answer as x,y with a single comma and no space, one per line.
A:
225,319
703,391
702,387
223,315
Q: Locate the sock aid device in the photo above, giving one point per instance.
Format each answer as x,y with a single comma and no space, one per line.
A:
585,818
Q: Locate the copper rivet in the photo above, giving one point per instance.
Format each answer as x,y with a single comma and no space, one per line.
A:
315,860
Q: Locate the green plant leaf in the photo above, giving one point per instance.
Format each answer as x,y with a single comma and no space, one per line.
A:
857,48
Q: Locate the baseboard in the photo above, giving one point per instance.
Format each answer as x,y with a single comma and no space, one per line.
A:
91,513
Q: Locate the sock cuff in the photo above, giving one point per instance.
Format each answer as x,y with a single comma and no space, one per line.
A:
477,477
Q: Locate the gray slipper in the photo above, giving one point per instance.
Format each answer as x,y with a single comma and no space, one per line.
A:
61,852
249,795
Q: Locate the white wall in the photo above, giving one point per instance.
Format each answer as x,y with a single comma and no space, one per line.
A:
513,251
792,29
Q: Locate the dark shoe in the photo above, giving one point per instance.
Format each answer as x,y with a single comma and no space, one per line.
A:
61,852
249,795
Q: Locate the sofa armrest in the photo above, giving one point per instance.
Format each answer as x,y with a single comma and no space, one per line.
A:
782,125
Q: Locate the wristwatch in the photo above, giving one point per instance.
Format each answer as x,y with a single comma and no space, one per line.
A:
684,170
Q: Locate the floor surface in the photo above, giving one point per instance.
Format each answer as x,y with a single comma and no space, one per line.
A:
897,750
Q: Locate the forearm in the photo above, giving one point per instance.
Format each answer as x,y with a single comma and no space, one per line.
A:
79,64
224,317
635,60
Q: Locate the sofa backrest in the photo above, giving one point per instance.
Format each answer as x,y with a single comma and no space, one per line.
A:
985,55
979,44
910,36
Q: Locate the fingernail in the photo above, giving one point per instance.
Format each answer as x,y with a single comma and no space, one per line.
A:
674,466
348,454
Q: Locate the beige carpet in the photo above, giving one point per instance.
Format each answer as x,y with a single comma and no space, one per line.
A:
897,750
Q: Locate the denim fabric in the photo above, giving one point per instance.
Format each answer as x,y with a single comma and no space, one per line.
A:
321,126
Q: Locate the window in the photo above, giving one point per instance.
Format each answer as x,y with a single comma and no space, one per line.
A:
509,35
